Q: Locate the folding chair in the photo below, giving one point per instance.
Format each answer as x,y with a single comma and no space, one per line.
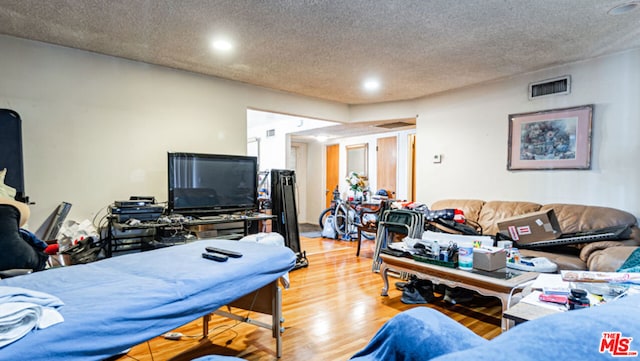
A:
396,221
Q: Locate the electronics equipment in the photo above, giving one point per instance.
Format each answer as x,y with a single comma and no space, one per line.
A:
215,257
135,210
603,234
149,199
225,252
208,184
141,213
132,203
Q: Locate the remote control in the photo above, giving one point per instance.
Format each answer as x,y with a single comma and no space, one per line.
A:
225,252
215,257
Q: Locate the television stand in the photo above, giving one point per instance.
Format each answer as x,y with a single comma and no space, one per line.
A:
143,236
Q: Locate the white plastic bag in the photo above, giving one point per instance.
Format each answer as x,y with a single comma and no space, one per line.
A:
72,232
328,230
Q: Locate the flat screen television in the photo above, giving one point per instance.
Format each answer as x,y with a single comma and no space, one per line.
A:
209,184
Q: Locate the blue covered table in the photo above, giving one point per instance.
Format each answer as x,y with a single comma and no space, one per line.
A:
116,303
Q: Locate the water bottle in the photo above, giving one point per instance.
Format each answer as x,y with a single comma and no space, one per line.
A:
435,249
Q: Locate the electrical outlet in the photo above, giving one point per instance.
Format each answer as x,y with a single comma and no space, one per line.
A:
437,158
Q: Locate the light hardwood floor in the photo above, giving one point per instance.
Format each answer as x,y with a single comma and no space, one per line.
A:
331,310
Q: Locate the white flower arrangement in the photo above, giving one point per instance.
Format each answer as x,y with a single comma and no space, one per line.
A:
356,182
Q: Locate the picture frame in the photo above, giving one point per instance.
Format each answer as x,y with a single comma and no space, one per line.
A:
550,139
357,159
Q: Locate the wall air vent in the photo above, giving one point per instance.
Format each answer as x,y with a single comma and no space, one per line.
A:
394,125
555,86
271,132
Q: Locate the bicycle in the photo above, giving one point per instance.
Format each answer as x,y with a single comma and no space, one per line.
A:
347,216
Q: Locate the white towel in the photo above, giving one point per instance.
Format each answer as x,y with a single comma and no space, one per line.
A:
22,310
274,239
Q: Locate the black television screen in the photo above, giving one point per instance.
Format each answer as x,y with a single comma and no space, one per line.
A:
201,184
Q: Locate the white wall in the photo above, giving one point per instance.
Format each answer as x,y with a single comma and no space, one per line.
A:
469,127
97,128
273,149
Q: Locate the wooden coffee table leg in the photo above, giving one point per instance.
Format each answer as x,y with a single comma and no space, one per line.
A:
385,278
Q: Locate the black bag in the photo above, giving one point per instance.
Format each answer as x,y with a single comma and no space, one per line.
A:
450,226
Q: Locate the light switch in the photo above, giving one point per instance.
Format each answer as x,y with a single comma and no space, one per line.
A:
437,158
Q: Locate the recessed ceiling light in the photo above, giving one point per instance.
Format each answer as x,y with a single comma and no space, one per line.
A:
624,8
371,85
322,138
222,45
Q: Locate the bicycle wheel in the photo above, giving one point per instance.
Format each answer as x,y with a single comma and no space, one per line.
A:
323,217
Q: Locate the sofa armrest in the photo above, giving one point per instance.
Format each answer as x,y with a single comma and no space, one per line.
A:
609,259
588,249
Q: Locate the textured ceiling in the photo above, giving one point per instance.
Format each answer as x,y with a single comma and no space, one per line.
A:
325,48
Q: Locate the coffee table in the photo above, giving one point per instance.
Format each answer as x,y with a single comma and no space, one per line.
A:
501,283
523,312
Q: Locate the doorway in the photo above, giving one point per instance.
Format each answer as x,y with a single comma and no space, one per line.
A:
332,155
387,162
412,168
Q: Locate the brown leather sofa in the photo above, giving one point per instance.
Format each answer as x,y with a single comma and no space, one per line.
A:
603,256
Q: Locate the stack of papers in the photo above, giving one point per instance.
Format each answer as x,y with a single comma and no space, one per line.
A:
533,298
553,283
587,276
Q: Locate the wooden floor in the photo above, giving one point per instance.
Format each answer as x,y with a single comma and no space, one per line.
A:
331,310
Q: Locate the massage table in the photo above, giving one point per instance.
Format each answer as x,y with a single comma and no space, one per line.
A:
114,304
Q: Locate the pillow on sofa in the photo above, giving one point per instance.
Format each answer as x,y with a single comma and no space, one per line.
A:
579,218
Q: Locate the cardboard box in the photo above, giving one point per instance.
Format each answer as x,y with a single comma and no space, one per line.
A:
531,227
491,259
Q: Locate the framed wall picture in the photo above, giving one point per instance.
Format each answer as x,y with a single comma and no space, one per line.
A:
357,158
550,139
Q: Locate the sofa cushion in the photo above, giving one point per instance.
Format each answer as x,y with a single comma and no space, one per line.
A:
609,259
578,218
494,211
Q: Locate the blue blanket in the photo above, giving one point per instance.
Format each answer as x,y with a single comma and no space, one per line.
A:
117,303
632,263
425,334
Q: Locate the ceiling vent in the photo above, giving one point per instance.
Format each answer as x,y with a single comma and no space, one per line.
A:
555,86
394,125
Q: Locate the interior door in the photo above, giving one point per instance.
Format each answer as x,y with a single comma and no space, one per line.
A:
412,163
387,164
331,171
